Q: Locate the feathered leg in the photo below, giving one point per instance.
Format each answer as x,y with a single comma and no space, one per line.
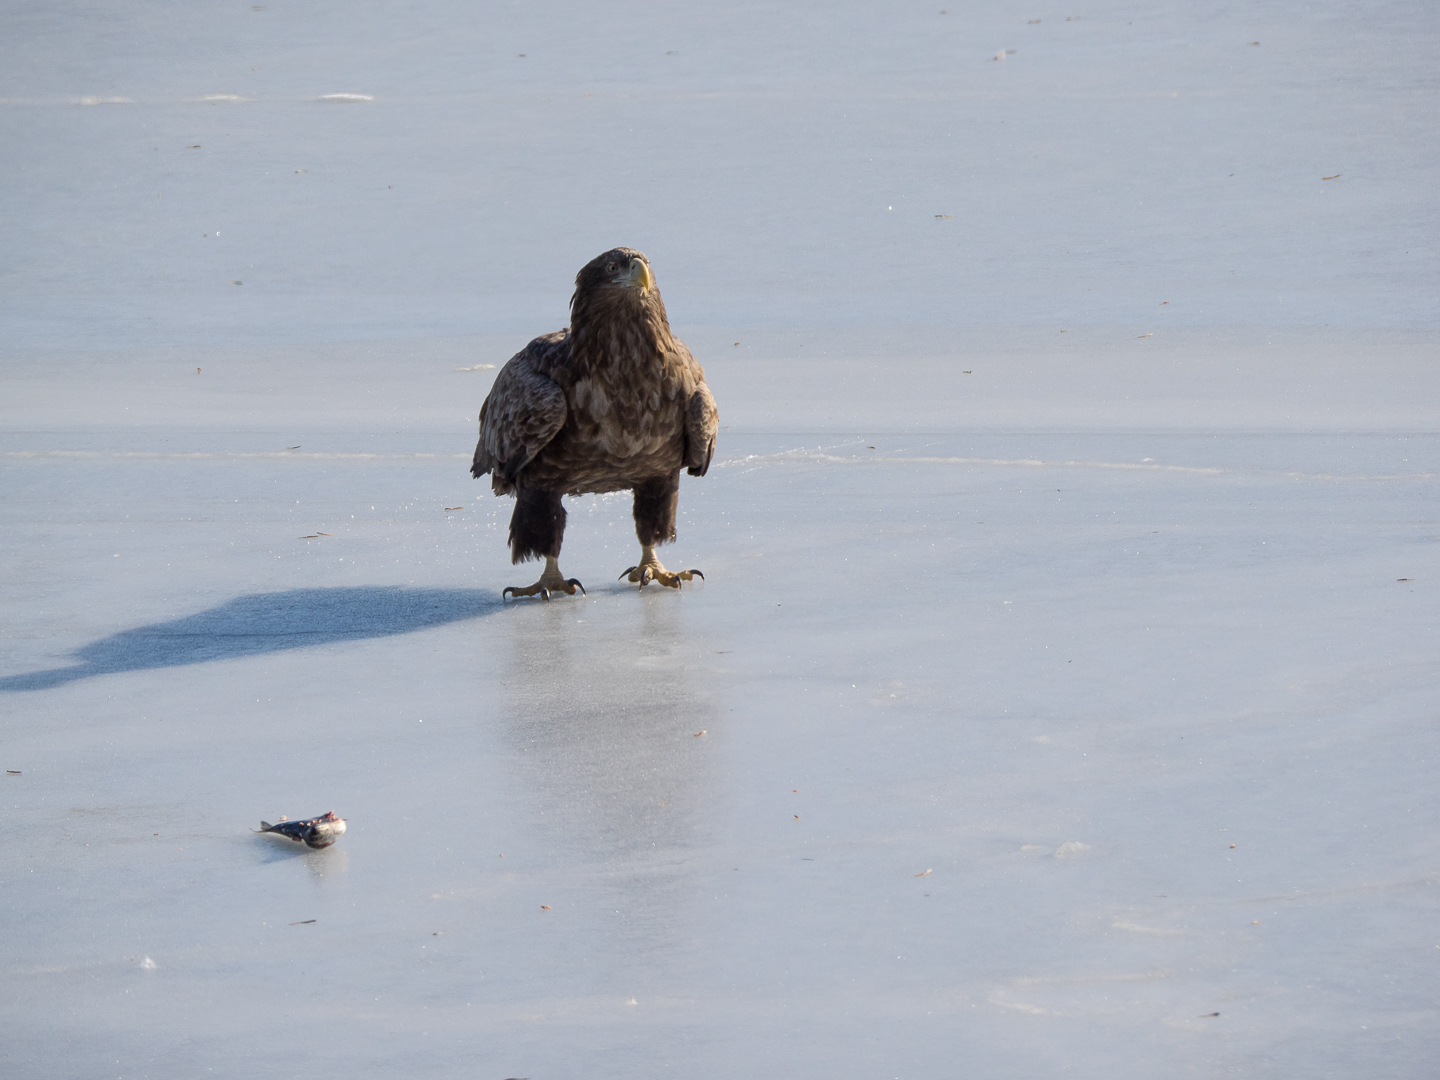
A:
537,528
655,505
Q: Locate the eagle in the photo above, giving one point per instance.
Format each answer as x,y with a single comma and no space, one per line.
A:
613,402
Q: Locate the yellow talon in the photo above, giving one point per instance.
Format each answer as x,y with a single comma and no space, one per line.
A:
650,569
550,581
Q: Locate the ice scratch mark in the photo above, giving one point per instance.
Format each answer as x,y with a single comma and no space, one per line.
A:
801,457
1020,1006
1138,929
808,457
1083,980
223,456
1321,894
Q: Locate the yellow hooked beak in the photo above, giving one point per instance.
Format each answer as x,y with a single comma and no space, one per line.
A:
638,275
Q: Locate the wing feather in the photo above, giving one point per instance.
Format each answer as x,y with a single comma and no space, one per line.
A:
702,422
524,410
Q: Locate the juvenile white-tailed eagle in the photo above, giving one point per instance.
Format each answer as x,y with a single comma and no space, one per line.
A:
614,401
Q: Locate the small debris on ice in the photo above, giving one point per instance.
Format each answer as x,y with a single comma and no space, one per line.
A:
1070,849
924,872
303,922
148,964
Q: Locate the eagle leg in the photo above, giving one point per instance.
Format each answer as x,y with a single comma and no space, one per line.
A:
550,581
650,569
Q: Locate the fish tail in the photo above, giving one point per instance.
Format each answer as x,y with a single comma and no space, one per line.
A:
265,826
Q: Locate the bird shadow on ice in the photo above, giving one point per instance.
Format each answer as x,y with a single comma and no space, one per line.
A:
266,623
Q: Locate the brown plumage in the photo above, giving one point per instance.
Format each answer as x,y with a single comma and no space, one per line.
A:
613,402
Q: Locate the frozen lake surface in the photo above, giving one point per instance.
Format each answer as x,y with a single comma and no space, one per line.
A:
1061,697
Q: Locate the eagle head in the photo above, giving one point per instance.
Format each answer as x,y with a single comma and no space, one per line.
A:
615,293
617,269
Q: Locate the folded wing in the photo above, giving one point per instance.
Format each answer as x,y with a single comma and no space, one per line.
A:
702,421
524,410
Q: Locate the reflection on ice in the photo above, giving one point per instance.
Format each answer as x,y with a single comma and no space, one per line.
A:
326,864
266,623
610,743
322,864
604,734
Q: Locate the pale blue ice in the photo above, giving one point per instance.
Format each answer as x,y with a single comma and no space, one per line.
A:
1061,697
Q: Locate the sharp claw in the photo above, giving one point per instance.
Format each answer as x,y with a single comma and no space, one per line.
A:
576,583
698,574
545,593
627,573
646,576
505,593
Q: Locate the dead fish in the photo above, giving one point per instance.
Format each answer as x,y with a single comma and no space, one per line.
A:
318,832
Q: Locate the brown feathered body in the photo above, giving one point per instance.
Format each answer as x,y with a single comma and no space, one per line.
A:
613,402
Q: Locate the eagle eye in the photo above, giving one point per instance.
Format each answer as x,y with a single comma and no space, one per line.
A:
610,268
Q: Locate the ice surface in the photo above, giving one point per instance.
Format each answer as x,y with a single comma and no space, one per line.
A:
1065,669
783,165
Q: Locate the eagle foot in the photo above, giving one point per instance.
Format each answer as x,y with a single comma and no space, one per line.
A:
650,570
551,581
